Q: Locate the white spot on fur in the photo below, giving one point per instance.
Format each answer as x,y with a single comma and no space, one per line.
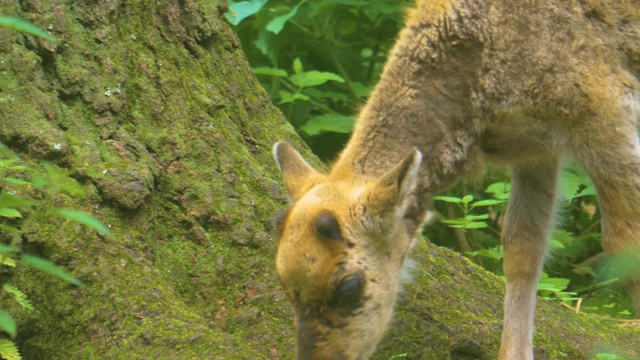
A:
312,195
355,193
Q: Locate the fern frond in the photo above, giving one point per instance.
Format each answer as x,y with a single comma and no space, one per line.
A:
18,295
8,350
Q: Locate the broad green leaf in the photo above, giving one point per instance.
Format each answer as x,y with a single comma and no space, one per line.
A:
449,199
8,249
263,70
25,27
563,237
570,183
493,253
314,78
10,213
472,217
16,181
8,350
555,245
39,183
7,324
588,190
297,66
455,221
487,202
84,219
19,167
263,43
467,199
9,229
333,95
277,24
471,225
360,90
49,267
500,190
18,296
328,123
238,11
287,97
8,261
9,201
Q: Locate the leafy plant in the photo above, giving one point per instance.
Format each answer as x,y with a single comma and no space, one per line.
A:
342,43
608,356
11,210
25,27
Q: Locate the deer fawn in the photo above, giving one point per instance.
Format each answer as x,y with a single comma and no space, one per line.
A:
522,83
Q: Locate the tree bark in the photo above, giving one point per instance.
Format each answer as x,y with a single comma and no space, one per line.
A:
154,109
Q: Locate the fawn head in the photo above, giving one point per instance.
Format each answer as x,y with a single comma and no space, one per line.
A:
342,244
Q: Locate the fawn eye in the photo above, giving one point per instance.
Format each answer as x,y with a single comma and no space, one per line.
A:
327,226
351,286
348,291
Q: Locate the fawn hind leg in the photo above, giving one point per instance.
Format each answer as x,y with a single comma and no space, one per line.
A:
528,222
611,156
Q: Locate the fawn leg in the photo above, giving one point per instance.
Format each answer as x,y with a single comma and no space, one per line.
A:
612,159
528,223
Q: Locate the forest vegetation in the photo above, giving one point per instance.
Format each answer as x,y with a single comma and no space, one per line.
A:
137,188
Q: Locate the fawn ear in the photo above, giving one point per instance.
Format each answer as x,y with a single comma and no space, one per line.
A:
298,175
401,181
398,190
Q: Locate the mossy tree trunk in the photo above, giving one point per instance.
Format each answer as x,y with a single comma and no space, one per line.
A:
153,108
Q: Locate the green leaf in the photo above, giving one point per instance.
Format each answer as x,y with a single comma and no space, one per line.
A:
277,24
25,27
329,123
8,350
449,199
488,202
588,190
9,229
238,11
269,71
553,284
476,217
318,94
39,183
314,78
10,213
8,261
7,324
18,295
471,225
49,268
360,90
500,190
8,249
496,253
84,219
287,97
16,181
460,221
467,199
297,66
9,201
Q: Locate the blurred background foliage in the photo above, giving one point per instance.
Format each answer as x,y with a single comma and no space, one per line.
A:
319,59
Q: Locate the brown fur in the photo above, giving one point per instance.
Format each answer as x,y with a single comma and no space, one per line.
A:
523,83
